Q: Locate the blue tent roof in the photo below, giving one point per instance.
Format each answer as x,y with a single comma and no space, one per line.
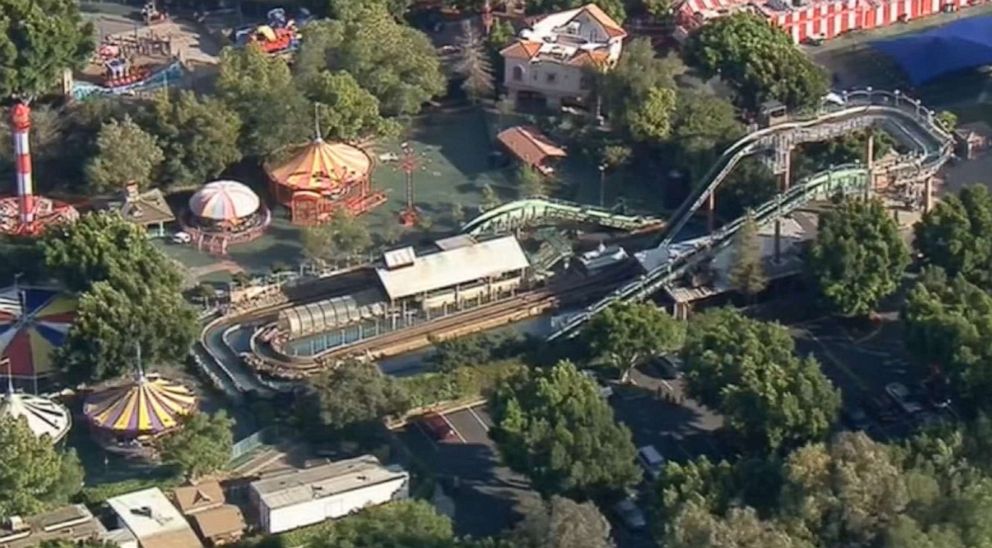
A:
960,45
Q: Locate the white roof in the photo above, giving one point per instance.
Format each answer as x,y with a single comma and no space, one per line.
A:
305,485
44,416
399,257
454,242
148,514
454,266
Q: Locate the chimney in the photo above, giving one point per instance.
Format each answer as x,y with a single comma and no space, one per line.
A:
131,190
20,121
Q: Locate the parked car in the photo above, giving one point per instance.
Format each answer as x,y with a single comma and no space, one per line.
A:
437,427
856,418
651,460
903,398
629,513
181,238
668,366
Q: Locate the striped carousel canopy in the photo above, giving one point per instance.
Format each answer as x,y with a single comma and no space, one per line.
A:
44,416
323,167
147,406
33,323
224,201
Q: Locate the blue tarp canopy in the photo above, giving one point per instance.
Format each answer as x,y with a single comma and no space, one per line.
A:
960,45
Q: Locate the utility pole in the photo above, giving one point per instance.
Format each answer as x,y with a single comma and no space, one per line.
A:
408,164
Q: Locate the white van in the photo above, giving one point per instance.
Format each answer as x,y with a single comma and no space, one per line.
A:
651,460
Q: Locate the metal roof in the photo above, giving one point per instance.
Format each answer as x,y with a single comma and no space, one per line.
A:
331,313
319,482
399,257
454,242
147,513
454,266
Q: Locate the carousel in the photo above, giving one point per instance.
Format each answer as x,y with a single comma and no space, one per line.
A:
224,213
43,416
321,178
127,419
33,324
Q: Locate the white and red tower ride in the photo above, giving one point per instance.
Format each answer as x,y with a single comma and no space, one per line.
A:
20,121
25,213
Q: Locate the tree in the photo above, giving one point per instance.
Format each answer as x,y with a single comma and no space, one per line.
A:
457,213
747,273
400,524
199,136
758,60
36,476
651,119
40,38
474,66
948,322
639,92
703,123
125,153
747,369
131,295
694,527
347,9
561,522
349,112
112,319
844,493
530,182
490,199
261,91
553,426
956,235
344,236
353,394
468,351
202,444
858,256
627,334
659,9
748,186
394,62
947,120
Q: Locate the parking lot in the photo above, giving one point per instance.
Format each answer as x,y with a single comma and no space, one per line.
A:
485,493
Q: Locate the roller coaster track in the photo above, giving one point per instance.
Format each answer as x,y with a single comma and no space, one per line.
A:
912,122
538,211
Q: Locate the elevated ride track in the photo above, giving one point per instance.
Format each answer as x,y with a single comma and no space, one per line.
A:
541,211
913,122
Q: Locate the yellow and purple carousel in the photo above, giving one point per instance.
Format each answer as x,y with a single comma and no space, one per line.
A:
128,418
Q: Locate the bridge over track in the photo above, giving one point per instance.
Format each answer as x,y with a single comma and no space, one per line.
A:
913,122
540,211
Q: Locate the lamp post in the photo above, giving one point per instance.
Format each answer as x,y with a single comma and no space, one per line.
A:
408,164
602,184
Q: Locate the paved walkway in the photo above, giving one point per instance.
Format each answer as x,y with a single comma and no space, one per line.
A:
220,266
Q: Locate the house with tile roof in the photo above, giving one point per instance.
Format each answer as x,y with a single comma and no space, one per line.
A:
550,61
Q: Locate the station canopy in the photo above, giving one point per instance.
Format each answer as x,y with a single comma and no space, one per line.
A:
962,45
31,331
148,405
322,167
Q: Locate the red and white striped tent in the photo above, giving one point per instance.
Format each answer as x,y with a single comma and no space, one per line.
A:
823,19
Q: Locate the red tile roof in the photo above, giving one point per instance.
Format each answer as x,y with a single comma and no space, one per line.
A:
521,49
529,145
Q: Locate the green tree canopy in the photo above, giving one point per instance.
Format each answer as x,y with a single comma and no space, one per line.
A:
348,112
353,394
35,475
858,256
394,62
553,426
125,153
38,40
261,91
202,444
748,186
948,323
561,522
131,295
343,237
627,334
758,60
747,273
639,92
402,524
702,122
956,235
199,136
747,369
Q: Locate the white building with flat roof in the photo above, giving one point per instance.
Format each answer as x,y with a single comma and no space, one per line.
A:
303,497
153,520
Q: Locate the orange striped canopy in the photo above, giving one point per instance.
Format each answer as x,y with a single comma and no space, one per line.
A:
323,167
148,405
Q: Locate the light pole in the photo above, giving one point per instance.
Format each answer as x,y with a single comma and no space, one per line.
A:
602,184
408,164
